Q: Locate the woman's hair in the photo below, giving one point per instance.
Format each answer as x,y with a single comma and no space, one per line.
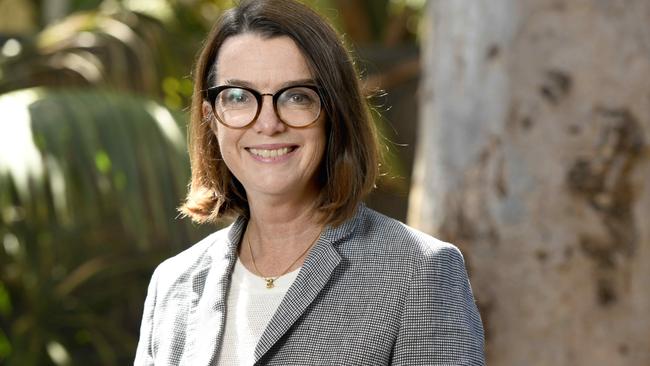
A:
351,158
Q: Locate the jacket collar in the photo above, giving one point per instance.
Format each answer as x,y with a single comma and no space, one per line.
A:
316,271
207,309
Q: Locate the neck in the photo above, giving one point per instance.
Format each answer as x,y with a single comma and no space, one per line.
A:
282,226
281,217
279,232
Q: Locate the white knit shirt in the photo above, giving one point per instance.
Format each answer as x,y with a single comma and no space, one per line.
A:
250,308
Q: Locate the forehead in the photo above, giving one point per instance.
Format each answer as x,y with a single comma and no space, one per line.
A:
263,62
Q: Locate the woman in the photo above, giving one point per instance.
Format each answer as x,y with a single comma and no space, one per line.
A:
281,139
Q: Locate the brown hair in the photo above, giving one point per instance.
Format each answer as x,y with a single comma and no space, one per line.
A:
351,159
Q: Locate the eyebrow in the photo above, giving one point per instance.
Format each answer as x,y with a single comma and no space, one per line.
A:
244,83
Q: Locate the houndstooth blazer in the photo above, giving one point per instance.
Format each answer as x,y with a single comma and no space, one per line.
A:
372,291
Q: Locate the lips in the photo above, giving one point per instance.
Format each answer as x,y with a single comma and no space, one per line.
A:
271,152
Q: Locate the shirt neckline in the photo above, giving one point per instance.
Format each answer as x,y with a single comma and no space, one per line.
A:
251,281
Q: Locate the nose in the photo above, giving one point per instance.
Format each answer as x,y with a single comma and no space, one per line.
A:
268,121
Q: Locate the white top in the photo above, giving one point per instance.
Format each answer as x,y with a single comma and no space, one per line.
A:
249,309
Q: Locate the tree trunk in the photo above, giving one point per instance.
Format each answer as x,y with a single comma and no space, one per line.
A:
533,157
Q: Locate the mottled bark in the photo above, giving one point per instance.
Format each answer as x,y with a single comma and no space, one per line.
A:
534,158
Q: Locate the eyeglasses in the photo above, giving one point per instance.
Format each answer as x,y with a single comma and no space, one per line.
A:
238,106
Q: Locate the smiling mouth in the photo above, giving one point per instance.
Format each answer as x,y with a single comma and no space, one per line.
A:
271,153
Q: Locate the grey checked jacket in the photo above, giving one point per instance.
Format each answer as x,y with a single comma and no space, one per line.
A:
372,291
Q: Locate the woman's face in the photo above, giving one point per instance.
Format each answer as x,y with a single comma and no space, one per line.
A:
269,157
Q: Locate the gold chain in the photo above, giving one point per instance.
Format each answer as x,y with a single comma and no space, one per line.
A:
270,280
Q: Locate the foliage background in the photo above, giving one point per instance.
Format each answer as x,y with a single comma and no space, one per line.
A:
93,158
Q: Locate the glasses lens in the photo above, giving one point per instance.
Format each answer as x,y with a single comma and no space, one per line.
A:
235,107
299,106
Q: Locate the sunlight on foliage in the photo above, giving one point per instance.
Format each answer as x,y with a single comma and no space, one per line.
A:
159,9
167,125
19,156
58,353
89,185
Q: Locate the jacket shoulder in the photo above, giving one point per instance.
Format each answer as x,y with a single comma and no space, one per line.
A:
393,236
190,258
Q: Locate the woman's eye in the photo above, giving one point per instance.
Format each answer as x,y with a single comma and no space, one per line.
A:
298,97
235,97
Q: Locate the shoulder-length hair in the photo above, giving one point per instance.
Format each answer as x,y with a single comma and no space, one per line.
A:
351,159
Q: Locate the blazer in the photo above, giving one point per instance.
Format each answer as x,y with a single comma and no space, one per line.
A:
371,291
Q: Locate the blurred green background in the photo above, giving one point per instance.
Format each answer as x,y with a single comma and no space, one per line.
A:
93,162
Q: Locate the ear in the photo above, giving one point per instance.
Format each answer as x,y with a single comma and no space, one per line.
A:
208,116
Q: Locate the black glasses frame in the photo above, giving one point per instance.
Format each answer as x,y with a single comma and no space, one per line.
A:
210,95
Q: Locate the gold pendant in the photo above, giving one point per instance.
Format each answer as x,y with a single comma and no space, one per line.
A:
269,282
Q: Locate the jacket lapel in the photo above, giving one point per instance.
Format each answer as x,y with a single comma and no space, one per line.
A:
313,276
207,310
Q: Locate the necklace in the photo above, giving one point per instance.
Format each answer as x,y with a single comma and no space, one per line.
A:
270,280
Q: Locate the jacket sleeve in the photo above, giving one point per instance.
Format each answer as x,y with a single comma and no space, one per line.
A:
145,352
440,324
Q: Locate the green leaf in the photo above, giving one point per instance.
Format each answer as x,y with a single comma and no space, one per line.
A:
5,346
102,162
87,225
5,302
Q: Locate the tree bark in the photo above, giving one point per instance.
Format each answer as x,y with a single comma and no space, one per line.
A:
533,157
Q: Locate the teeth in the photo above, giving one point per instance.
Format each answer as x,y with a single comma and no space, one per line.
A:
270,153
